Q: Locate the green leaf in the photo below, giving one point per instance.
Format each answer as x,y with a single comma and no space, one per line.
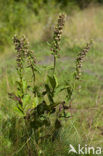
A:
61,88
24,85
26,100
68,115
49,93
69,93
35,102
56,80
19,93
17,110
48,67
53,81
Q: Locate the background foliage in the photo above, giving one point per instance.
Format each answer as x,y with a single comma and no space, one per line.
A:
16,14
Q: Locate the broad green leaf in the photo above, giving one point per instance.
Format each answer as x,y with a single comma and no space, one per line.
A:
17,110
56,80
60,88
69,93
53,81
35,102
49,93
26,100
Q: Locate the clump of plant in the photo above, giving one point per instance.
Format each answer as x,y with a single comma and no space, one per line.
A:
37,105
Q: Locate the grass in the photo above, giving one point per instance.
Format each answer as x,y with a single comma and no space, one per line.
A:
86,124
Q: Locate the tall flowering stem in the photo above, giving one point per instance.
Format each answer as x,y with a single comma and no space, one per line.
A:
20,48
80,60
24,53
55,47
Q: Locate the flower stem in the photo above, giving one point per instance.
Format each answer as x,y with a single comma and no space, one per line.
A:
54,64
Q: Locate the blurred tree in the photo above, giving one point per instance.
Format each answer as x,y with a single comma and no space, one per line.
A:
85,3
100,1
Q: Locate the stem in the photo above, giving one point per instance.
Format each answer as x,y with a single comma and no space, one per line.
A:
21,81
32,68
33,74
54,64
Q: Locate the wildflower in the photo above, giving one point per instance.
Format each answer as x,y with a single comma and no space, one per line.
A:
80,60
21,46
57,34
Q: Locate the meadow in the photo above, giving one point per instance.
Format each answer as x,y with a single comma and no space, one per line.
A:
85,125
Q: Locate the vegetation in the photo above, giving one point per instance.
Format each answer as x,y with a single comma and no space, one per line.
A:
48,100
37,103
13,13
